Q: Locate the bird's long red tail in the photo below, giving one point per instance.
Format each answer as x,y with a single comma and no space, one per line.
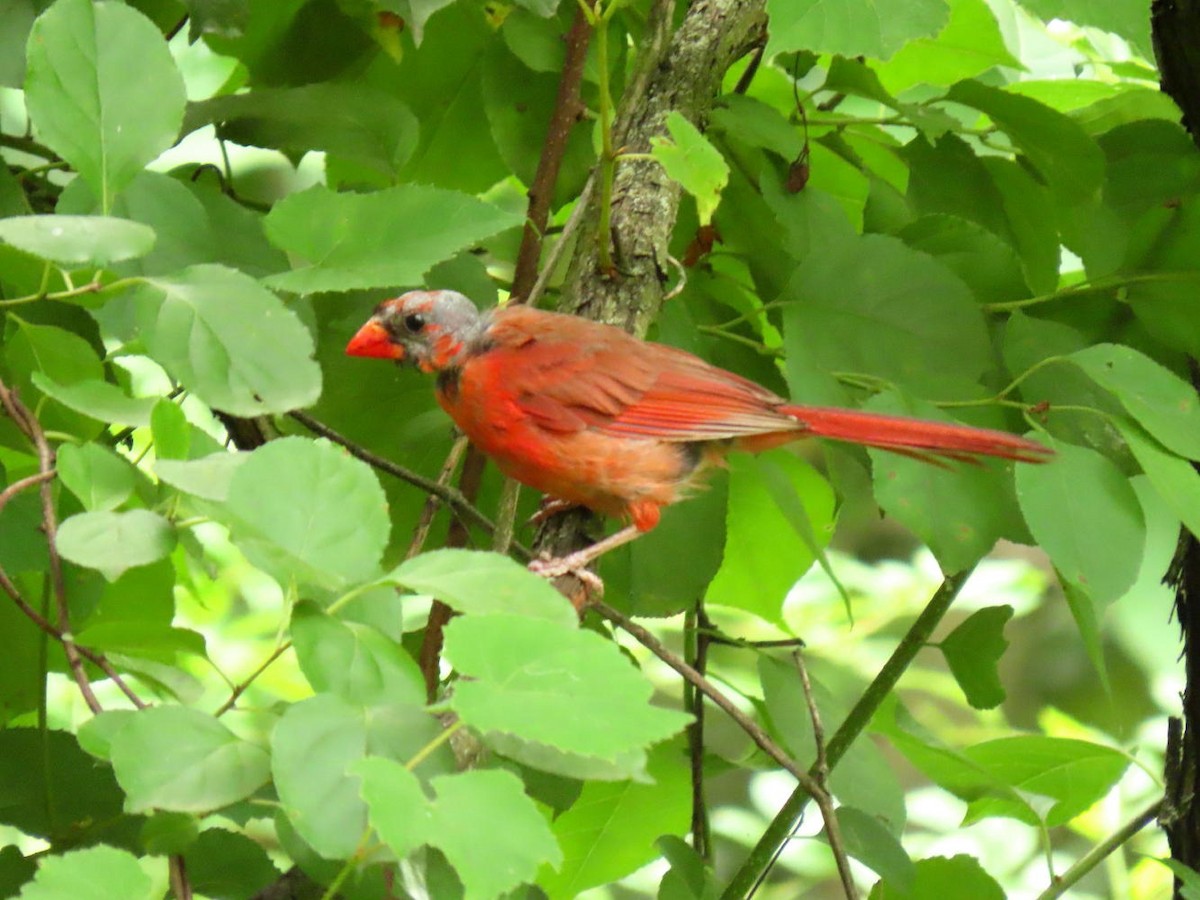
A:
915,437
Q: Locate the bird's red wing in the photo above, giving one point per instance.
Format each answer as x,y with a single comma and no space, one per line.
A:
570,375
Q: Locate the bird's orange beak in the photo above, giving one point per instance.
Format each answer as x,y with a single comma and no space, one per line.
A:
372,340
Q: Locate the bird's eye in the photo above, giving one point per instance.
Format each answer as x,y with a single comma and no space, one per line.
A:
414,322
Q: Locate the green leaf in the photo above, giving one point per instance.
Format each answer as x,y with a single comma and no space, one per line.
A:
495,860
384,239
78,241
939,876
150,640
982,259
476,582
544,682
969,45
208,477
177,758
1054,779
876,28
960,511
115,541
103,91
315,750
353,661
99,400
224,864
693,162
764,554
230,341
62,356
874,305
100,478
164,833
973,650
1058,147
170,429
874,845
353,121
53,790
308,510
490,862
96,873
1082,511
689,878
1175,479
1162,402
611,830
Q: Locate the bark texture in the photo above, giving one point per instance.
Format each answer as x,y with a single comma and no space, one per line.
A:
1175,26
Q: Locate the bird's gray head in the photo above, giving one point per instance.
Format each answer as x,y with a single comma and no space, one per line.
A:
429,329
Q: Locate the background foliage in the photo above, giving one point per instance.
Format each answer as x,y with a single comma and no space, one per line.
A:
950,208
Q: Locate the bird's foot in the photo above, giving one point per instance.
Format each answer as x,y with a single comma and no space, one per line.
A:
556,567
550,506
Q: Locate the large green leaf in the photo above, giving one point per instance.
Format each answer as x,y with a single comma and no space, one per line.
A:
99,400
765,554
100,478
115,541
970,44
315,750
876,28
611,829
96,873
389,238
177,758
489,862
940,876
1073,774
474,582
1161,402
229,340
1058,147
544,682
306,510
103,91
1083,512
77,241
876,306
353,661
350,120
1127,18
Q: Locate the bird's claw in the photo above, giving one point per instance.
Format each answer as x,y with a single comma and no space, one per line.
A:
556,567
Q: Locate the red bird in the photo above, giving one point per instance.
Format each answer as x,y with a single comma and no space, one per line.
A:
590,415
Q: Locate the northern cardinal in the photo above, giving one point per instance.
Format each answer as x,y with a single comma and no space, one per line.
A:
592,416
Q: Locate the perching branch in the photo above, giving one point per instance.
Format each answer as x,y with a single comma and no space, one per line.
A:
809,785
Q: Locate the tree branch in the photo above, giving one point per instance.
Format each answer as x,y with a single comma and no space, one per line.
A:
808,784
762,857
32,430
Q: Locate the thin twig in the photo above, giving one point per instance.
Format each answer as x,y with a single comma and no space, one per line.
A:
96,659
240,687
808,783
699,629
433,501
541,192
21,484
456,500
1097,854
180,886
762,857
32,430
820,768
578,214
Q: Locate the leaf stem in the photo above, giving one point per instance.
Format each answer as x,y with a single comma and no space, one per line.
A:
1107,283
